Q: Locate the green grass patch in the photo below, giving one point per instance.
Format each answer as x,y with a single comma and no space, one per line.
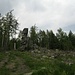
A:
15,60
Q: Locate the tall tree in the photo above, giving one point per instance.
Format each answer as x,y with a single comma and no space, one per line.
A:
60,36
52,40
9,26
1,31
33,35
42,38
72,38
64,42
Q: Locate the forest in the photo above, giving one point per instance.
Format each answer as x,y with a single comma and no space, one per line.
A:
54,55
9,27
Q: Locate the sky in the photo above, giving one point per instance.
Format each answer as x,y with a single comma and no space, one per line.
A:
45,14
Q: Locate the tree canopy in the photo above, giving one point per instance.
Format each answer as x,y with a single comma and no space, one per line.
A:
46,39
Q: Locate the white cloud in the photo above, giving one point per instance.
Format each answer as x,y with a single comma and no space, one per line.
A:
47,14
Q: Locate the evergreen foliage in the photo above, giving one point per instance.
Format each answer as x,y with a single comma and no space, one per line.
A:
8,27
45,39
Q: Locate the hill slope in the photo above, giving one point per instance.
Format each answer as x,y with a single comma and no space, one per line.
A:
37,63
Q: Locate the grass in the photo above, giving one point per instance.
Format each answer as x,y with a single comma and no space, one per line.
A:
4,71
20,63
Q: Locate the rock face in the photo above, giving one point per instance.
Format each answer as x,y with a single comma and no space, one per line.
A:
25,39
25,32
26,43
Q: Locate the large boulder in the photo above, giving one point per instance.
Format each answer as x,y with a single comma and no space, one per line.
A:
26,43
24,40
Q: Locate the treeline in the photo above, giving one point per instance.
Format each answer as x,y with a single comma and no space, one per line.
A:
45,39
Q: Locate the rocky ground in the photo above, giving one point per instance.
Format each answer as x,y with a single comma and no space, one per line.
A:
26,63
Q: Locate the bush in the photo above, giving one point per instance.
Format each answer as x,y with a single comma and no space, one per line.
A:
4,71
43,71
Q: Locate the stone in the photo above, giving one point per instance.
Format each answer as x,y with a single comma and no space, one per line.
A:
25,39
26,43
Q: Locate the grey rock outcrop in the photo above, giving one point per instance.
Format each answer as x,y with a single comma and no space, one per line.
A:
25,40
26,43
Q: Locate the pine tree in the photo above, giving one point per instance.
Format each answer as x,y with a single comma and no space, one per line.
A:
52,40
42,38
33,35
8,25
64,42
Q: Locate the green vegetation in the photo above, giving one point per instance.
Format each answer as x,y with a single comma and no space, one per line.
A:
45,39
8,28
22,63
54,55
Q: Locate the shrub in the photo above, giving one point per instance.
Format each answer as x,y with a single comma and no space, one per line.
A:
43,71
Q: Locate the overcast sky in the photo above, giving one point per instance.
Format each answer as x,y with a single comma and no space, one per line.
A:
46,14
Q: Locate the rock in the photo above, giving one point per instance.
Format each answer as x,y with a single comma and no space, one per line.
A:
25,40
26,43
